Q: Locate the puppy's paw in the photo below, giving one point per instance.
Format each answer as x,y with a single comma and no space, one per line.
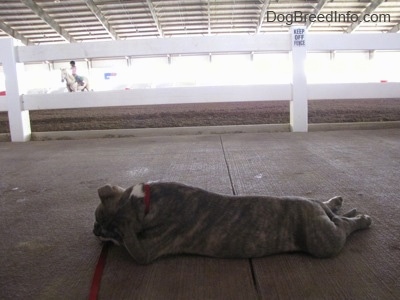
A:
365,220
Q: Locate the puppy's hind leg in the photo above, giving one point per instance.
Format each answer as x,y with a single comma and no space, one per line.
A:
348,225
334,203
332,206
351,213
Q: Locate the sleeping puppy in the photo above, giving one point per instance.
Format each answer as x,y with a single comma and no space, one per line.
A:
163,218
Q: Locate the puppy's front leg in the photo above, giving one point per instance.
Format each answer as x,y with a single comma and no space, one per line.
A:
136,249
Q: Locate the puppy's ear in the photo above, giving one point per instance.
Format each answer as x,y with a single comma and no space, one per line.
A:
110,195
105,192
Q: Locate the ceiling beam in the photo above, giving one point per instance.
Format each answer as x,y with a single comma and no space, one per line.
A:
11,32
370,8
155,18
209,16
49,20
102,19
316,11
262,15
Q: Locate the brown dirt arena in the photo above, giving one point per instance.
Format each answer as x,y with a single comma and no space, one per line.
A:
207,114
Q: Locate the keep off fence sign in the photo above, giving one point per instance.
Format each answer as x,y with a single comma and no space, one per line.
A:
299,37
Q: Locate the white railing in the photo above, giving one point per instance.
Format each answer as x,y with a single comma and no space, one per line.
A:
298,93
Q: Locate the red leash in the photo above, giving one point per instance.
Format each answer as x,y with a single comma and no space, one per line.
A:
95,288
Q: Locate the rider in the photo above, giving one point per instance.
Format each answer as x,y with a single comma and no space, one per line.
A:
79,79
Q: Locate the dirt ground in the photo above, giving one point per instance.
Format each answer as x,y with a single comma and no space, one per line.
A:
208,114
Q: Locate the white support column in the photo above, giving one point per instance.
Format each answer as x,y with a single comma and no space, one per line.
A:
20,127
299,104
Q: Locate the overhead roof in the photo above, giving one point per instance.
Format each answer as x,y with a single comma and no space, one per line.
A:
58,21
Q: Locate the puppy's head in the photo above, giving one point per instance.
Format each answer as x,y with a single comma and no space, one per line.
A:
104,226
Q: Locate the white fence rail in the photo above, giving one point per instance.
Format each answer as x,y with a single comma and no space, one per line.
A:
298,93
277,92
160,96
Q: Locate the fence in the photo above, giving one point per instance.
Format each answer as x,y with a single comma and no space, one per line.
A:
297,42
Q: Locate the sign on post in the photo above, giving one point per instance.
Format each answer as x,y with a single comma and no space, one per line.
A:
299,101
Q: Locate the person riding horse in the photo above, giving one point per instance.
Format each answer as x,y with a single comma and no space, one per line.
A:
79,79
74,82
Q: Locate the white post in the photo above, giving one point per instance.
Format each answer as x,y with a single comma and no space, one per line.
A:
20,127
299,104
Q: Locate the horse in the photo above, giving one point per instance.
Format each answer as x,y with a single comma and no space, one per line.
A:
72,84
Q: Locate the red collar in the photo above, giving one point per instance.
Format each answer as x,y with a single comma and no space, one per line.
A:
146,199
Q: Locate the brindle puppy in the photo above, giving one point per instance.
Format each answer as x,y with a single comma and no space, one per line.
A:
160,218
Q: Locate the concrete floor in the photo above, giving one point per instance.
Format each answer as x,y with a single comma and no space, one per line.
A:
48,194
